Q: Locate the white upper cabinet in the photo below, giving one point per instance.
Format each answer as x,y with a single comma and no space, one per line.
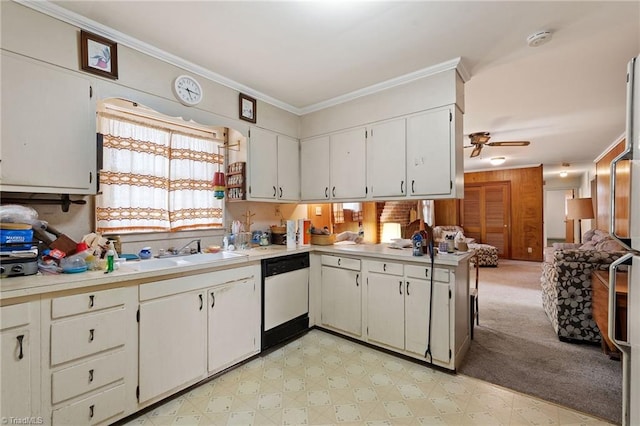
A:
48,129
288,169
429,153
314,168
263,158
348,164
274,167
386,158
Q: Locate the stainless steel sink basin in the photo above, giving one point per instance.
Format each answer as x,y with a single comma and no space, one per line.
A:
171,262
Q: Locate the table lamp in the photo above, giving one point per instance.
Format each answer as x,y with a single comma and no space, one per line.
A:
580,208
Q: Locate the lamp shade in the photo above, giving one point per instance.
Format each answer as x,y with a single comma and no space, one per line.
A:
580,208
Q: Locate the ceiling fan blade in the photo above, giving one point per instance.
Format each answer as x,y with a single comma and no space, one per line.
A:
479,137
509,143
476,150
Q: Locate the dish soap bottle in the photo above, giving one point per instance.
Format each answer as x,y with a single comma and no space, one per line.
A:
111,253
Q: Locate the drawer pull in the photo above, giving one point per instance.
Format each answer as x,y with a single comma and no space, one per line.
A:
91,333
91,299
400,287
91,376
20,338
384,267
339,261
91,411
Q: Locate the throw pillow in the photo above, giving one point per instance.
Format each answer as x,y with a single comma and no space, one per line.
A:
609,244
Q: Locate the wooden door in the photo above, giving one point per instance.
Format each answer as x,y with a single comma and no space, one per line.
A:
569,223
486,215
497,218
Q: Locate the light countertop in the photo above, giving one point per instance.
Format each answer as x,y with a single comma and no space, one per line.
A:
33,285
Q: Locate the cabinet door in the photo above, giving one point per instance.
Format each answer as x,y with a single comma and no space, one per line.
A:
232,337
314,168
263,157
20,394
429,153
342,299
48,120
385,309
288,169
16,364
172,343
417,319
348,164
386,159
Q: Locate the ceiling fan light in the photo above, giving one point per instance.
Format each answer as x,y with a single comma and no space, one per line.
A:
564,174
496,161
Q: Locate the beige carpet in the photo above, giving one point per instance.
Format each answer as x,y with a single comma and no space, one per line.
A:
515,346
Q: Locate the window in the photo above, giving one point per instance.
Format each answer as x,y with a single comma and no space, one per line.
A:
157,173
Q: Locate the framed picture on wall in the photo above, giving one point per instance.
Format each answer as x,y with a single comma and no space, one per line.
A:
247,108
99,55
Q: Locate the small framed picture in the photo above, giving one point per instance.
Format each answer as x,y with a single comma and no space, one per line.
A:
247,108
99,55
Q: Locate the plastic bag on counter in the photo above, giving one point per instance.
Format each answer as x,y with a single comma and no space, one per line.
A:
15,213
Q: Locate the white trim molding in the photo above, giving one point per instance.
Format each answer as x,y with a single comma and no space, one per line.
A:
64,15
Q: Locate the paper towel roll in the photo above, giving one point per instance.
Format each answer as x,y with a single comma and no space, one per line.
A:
291,234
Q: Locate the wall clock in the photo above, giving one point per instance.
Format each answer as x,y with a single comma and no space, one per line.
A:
187,90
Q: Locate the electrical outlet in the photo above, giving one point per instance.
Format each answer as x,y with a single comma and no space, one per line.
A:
277,212
529,250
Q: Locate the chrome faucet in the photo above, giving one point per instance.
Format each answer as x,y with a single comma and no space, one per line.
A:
179,251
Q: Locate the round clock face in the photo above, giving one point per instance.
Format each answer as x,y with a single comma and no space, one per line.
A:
187,90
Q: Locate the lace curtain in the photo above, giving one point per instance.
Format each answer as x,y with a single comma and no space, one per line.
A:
155,179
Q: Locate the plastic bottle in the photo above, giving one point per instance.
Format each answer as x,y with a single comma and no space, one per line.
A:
111,253
416,239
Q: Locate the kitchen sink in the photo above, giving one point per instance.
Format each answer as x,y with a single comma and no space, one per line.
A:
171,262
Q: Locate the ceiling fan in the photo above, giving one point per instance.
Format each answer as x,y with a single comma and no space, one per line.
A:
480,139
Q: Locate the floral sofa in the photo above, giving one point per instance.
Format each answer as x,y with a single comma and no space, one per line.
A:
566,284
487,254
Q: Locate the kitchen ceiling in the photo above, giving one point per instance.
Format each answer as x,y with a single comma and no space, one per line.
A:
567,96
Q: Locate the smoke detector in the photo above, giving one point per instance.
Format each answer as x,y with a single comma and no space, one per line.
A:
538,38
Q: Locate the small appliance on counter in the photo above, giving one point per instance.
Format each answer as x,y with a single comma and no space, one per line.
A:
18,253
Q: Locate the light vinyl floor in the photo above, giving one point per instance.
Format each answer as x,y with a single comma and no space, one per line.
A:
321,378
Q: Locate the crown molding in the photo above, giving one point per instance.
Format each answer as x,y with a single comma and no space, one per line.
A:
65,15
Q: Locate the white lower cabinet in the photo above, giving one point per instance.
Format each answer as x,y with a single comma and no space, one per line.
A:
90,376
20,360
342,294
398,304
194,326
234,312
172,343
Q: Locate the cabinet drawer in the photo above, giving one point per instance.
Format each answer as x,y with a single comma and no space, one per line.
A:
341,262
386,268
87,302
92,410
14,316
85,377
424,272
87,335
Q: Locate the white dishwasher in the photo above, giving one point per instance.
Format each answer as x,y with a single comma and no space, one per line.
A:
285,298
